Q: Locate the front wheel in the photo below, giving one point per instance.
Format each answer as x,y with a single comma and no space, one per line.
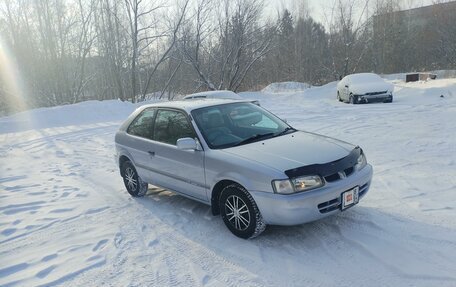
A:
135,185
353,99
240,212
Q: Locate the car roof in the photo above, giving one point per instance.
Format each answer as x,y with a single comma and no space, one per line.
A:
214,94
193,104
364,76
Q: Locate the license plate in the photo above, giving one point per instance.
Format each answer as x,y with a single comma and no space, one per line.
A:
350,198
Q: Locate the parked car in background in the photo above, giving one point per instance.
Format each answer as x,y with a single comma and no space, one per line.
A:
221,94
364,88
224,94
247,164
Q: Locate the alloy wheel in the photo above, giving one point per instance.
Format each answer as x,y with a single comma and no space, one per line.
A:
130,175
237,212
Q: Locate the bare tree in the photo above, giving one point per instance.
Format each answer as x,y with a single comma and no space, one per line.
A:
445,46
72,50
165,54
145,29
241,43
348,37
112,46
86,38
139,29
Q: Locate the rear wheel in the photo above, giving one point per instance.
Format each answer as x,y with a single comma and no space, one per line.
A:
338,97
240,212
135,185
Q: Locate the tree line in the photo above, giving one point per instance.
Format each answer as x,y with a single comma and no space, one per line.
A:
66,51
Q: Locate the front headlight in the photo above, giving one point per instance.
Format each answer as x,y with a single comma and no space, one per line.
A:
361,162
282,186
297,184
306,182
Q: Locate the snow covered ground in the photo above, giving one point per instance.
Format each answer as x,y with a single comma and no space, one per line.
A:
66,219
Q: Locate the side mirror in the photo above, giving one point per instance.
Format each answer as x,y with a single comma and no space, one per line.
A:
186,144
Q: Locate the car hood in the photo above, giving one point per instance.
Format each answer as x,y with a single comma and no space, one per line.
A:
293,150
360,89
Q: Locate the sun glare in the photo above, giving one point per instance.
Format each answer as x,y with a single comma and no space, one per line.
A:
10,81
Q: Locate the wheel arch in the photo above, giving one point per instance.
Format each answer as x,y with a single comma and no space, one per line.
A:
217,191
122,159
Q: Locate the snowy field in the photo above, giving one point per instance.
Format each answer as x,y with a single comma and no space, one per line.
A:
66,218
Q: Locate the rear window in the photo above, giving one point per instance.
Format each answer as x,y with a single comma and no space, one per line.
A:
143,124
172,125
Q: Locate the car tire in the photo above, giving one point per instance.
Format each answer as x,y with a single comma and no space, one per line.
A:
240,212
353,100
134,184
338,97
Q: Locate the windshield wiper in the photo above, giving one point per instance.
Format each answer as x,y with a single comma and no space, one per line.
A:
286,130
254,138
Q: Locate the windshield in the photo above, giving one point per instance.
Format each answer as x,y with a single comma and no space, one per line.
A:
234,124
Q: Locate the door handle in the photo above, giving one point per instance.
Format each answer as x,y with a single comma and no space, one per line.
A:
152,153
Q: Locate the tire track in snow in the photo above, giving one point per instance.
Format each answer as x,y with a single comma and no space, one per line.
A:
178,254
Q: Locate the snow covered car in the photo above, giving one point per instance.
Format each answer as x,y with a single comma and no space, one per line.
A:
222,94
247,164
364,88
214,95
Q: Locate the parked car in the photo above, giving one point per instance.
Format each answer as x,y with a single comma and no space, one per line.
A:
214,95
221,94
364,88
246,163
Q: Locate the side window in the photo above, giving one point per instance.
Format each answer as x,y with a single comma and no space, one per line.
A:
143,124
171,126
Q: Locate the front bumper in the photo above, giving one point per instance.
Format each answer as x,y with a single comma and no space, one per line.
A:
279,209
374,98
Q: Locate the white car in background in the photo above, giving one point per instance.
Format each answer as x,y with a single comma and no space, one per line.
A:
364,88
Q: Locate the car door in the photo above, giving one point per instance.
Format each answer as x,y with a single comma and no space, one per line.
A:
140,141
341,88
346,88
178,170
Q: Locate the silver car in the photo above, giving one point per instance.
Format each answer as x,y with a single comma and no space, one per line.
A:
247,164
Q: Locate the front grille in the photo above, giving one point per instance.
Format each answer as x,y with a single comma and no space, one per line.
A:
376,93
362,190
340,175
332,177
328,206
335,203
349,171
